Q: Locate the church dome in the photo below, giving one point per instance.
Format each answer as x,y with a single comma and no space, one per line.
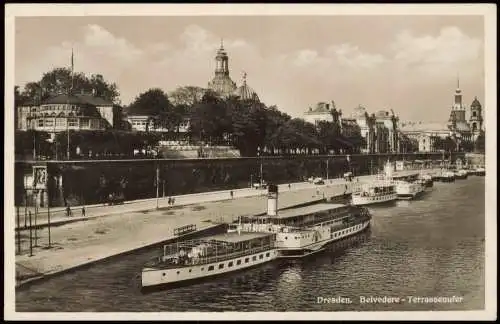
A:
245,92
222,85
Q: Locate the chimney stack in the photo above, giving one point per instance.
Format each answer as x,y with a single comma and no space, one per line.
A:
272,200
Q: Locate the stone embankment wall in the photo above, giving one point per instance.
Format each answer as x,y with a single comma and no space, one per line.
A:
91,182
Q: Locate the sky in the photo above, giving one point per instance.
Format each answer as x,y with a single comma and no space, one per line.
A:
409,64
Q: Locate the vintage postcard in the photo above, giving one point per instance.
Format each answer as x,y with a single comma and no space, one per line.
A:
215,162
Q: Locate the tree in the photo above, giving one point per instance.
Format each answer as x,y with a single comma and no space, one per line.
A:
155,103
447,144
60,80
209,119
187,95
26,141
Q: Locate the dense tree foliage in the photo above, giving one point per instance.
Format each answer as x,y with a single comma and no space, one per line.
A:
59,80
188,95
255,129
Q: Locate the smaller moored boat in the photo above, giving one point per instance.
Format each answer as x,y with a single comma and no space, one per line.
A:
445,176
375,193
187,261
461,174
425,180
408,190
480,171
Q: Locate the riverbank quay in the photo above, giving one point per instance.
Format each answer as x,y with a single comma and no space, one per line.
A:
88,182
82,243
58,216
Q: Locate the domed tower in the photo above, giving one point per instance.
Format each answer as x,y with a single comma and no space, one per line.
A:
476,117
222,83
245,92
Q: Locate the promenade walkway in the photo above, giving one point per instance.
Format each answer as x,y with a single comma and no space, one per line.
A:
83,242
58,215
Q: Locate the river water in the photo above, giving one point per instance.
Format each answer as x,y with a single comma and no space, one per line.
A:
433,247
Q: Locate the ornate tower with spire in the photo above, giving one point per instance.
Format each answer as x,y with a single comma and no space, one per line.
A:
222,83
457,115
476,117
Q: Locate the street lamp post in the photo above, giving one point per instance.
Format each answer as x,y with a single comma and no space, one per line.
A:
157,185
327,169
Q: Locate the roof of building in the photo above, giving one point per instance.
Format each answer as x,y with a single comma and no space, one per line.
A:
235,237
383,114
307,210
77,99
475,103
411,126
359,112
321,108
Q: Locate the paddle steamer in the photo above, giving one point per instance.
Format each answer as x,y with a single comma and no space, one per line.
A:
306,230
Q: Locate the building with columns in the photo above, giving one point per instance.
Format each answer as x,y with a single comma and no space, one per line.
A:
71,111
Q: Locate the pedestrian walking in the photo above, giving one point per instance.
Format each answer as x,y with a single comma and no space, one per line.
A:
232,194
68,211
169,201
83,211
289,187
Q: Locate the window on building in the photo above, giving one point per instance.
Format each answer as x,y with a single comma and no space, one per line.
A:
211,268
60,122
474,114
40,122
85,122
49,122
72,122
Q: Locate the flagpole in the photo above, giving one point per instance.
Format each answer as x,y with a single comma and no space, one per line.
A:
69,93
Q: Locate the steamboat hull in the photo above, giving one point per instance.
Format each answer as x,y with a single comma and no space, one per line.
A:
156,278
358,200
445,179
319,246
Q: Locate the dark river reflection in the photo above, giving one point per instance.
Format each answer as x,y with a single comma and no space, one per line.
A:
433,246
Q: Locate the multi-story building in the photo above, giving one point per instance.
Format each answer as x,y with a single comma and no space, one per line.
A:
390,121
425,134
367,128
322,112
69,112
